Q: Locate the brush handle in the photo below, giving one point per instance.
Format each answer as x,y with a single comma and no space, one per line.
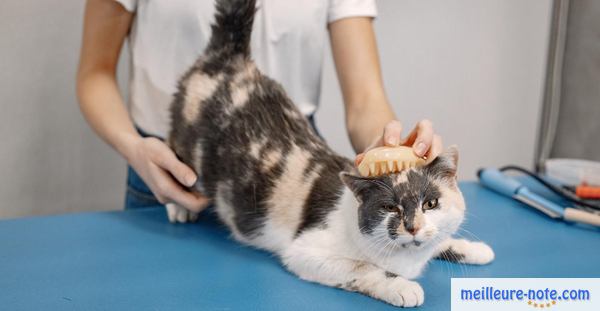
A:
576,215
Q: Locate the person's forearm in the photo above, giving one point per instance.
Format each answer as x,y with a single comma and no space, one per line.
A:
365,121
370,120
102,105
357,64
106,25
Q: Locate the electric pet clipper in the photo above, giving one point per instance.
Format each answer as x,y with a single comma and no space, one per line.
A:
503,184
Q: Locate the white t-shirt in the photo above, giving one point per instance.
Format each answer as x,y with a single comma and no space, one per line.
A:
287,44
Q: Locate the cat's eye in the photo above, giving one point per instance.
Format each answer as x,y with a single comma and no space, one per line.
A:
391,208
431,204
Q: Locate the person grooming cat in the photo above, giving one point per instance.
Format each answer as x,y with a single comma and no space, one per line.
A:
165,37
278,186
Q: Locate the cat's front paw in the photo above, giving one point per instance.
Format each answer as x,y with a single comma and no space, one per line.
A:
404,293
180,214
464,251
480,254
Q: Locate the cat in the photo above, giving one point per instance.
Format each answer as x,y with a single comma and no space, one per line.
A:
277,186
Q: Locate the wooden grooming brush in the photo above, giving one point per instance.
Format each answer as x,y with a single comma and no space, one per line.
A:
387,160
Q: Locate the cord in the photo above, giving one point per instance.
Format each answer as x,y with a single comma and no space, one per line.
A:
558,190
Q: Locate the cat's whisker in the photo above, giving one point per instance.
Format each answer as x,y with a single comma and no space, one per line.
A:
374,245
473,236
471,216
377,243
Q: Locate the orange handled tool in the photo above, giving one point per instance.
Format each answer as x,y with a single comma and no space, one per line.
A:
587,192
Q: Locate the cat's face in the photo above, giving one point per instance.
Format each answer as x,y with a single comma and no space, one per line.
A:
412,209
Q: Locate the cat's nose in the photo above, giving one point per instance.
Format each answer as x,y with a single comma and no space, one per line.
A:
412,229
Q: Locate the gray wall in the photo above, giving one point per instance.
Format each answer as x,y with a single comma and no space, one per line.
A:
50,161
474,67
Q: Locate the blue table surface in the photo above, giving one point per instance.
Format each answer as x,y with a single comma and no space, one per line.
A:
137,260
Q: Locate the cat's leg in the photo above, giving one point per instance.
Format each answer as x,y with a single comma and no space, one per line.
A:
320,266
464,251
181,214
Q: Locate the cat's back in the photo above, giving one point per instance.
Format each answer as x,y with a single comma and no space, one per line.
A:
257,157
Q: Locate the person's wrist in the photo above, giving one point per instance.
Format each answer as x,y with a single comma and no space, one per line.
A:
127,145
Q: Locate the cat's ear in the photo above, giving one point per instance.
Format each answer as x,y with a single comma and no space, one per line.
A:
451,156
361,186
446,164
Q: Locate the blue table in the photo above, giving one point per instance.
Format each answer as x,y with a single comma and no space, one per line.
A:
136,260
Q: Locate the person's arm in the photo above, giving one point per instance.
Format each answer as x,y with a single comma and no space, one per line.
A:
370,120
106,26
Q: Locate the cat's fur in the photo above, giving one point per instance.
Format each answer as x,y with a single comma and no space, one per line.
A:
279,187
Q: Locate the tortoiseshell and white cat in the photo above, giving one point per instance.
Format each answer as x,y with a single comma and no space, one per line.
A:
279,187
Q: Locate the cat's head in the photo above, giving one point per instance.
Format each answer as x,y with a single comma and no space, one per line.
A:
412,209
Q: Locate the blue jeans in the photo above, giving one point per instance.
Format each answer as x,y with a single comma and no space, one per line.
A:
138,194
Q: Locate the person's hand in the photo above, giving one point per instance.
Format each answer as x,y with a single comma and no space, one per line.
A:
164,174
423,139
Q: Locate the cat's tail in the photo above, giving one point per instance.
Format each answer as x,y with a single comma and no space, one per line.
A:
232,28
